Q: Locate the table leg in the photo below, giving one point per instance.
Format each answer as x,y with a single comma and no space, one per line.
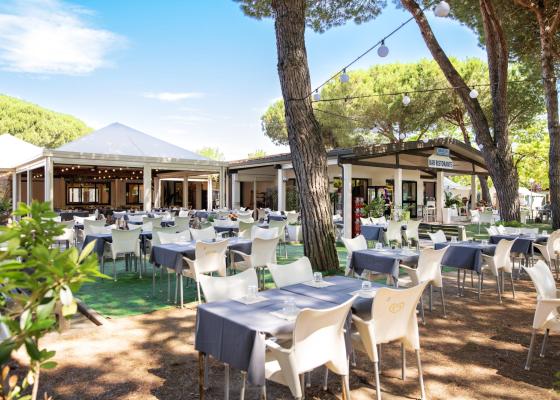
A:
201,375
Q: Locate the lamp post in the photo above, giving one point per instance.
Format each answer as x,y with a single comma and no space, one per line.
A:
531,182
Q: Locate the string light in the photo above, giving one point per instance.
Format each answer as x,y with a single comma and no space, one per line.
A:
402,136
473,94
316,95
383,51
442,9
425,139
344,78
406,100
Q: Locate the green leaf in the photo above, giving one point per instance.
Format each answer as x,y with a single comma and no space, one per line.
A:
86,251
49,365
32,349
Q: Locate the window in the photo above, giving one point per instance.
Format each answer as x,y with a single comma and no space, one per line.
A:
88,193
134,193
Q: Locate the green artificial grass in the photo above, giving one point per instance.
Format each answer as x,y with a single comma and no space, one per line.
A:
130,295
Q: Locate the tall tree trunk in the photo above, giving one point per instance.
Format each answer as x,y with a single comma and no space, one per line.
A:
496,148
309,157
484,189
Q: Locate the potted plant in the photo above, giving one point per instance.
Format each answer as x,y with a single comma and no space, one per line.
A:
295,233
376,208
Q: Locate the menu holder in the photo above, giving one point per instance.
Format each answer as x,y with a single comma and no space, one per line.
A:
248,301
319,285
286,317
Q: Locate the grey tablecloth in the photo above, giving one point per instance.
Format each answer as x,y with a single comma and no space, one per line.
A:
69,215
201,214
106,237
235,333
465,255
523,243
385,261
276,217
373,232
171,255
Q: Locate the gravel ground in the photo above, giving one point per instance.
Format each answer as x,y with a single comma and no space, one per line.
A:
477,352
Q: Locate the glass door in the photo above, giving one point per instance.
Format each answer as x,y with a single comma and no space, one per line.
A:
409,197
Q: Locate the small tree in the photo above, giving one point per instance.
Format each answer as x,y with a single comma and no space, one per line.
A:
36,291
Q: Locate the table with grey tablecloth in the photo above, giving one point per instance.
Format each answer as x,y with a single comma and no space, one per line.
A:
235,333
465,255
271,217
101,238
171,255
385,261
523,243
373,232
69,215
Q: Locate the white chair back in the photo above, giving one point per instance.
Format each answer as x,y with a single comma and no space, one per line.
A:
292,217
290,274
172,237
88,224
429,267
135,218
227,287
157,230
475,216
379,221
365,221
530,231
211,257
124,242
247,220
544,282
263,251
183,213
355,244
182,223
492,230
438,237
394,232
412,229
280,226
511,230
132,227
501,229
263,233
204,234
502,256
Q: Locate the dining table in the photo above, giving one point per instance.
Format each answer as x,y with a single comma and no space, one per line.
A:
234,332
383,260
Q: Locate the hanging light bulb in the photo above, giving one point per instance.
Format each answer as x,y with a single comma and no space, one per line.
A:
406,100
402,136
425,139
473,94
344,76
316,95
383,50
442,9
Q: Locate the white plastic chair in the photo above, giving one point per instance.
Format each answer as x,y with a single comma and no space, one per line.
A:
292,217
218,288
209,257
205,234
290,274
355,244
68,236
438,237
263,252
492,230
529,231
124,242
393,318
88,223
183,213
263,233
172,237
412,231
182,223
281,227
548,303
499,263
551,251
394,232
501,229
247,220
100,230
318,339
379,221
428,270
365,221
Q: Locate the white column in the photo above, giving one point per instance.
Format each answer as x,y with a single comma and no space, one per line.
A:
49,182
222,187
473,192
19,186
226,194
235,192
347,199
397,190
186,191
14,190
439,196
209,194
281,190
198,196
157,198
29,186
147,188
254,194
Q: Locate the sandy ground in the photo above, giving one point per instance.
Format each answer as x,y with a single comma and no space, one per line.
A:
477,352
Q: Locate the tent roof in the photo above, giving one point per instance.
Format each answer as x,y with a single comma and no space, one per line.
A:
15,151
118,139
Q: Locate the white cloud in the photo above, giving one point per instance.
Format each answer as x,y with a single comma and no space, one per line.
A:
172,96
52,37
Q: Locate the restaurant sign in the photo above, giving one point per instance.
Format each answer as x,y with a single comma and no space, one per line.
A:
441,162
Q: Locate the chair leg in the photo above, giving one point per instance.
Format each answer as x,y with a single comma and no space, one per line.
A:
422,310
403,366
181,290
443,301
480,278
472,279
420,376
168,288
153,282
545,339
379,355
377,384
498,287
512,285
263,392
531,348
458,282
302,385
114,270
326,379
243,384
206,368
346,387
198,291
308,380
226,382
431,295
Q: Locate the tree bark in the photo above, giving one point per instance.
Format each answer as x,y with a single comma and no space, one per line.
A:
496,147
309,156
484,189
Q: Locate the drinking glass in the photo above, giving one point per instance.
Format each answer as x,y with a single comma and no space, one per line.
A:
453,239
484,242
289,307
252,292
366,286
317,277
544,232
378,246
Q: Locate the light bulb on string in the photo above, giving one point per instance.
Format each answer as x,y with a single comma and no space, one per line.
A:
442,9
473,94
344,78
425,139
402,136
316,96
406,100
383,50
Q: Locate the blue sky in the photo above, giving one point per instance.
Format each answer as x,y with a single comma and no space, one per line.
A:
194,73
